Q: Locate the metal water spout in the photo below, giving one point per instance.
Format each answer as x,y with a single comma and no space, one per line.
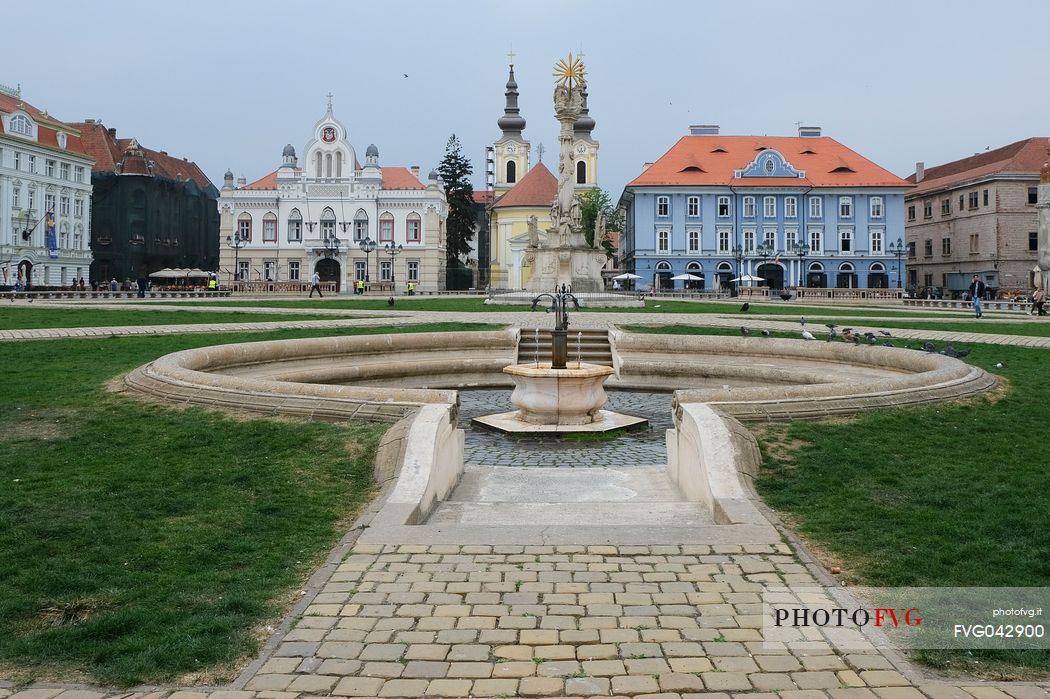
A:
559,301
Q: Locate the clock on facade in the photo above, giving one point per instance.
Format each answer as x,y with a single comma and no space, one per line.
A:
328,134
512,149
581,149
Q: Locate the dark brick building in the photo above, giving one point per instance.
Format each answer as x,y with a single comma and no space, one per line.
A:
149,210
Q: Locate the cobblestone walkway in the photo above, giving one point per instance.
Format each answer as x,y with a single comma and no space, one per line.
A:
635,448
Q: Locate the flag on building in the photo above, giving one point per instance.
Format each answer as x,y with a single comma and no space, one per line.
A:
776,260
49,229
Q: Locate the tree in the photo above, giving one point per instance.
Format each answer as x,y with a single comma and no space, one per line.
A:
591,202
456,170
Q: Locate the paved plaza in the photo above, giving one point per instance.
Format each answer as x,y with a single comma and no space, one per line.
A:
665,619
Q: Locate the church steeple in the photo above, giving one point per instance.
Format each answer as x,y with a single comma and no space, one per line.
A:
511,123
585,123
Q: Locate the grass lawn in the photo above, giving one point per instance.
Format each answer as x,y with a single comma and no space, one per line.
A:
942,495
477,305
26,317
149,544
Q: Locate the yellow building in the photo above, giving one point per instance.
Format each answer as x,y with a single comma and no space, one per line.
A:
521,192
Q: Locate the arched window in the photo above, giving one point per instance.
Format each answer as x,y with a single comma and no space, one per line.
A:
244,226
694,267
581,172
663,266
63,235
327,224
413,228
328,165
360,225
816,267
339,163
512,171
295,226
319,159
78,234
877,267
846,267
386,227
20,124
270,228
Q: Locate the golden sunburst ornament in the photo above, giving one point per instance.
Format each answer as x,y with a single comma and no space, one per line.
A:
570,71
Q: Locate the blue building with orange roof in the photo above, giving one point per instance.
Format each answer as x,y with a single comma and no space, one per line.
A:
792,211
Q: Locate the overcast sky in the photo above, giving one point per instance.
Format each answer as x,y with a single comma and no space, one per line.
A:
227,84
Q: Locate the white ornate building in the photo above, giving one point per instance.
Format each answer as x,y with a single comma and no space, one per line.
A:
45,185
315,216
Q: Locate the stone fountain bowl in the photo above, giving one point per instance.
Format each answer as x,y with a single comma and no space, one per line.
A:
547,396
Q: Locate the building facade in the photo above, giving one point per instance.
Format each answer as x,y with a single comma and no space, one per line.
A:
45,197
150,210
976,215
298,220
793,211
521,192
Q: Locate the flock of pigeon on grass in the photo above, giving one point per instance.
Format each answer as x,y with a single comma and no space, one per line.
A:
859,338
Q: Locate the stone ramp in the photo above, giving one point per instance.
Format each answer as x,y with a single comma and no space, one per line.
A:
528,497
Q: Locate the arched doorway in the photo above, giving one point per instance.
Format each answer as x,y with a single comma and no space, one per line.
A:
25,273
329,270
773,274
725,276
697,270
877,277
847,276
663,276
816,278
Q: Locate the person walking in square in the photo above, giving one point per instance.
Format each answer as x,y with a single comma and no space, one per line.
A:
1038,300
976,292
315,282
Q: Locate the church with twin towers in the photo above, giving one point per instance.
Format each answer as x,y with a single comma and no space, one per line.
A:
521,189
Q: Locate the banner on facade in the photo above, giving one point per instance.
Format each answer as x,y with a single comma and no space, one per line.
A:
49,230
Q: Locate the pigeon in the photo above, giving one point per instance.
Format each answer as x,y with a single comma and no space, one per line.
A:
929,347
807,335
1000,365
869,334
390,301
872,340
831,336
832,333
766,333
830,326
404,75
746,307
887,343
746,332
803,321
848,336
886,333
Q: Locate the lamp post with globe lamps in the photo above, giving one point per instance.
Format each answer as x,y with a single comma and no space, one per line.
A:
898,249
801,249
236,242
367,246
393,251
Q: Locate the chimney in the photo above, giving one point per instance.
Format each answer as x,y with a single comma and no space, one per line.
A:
89,121
112,132
703,129
920,172
809,132
415,171
646,166
163,152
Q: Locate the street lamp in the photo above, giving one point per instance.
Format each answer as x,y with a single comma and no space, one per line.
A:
367,246
393,251
801,249
738,255
898,249
331,246
236,242
766,250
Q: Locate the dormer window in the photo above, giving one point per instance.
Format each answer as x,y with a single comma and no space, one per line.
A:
770,166
20,124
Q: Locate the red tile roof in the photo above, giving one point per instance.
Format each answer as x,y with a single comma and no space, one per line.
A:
108,151
712,160
400,178
1025,156
484,196
537,188
47,125
265,182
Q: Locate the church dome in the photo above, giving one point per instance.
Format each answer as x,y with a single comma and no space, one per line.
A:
511,123
288,150
228,175
372,151
433,175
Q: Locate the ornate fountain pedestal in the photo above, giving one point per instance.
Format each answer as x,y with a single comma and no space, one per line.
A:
558,401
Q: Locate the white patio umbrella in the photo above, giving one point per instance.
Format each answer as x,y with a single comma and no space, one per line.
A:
749,278
687,277
625,276
197,273
166,273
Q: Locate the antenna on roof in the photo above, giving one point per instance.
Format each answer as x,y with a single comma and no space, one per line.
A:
540,150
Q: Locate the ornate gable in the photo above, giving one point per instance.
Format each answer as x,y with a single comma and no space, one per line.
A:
769,163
